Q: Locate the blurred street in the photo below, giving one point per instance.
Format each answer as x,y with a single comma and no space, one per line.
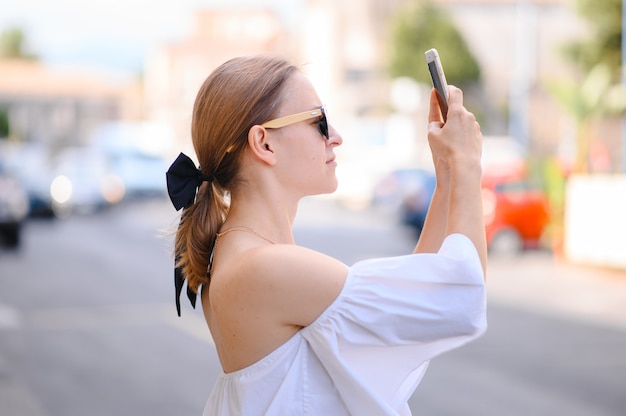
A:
88,324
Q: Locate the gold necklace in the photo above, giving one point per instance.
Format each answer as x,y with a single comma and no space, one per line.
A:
236,228
245,229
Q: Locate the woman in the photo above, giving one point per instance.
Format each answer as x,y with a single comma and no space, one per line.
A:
298,332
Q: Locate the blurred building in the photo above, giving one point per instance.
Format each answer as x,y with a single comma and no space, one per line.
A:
56,108
343,47
175,72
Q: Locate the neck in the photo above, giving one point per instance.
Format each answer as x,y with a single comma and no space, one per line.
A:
274,220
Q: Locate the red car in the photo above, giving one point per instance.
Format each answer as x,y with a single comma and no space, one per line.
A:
516,214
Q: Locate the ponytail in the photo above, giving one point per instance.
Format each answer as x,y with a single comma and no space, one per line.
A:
199,224
239,94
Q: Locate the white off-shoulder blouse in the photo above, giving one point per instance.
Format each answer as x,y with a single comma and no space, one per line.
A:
368,351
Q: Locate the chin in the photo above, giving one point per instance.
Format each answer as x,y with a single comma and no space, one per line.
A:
333,187
330,189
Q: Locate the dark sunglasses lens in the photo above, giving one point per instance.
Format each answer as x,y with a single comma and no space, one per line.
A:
324,124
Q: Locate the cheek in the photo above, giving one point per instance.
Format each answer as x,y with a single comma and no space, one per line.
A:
311,154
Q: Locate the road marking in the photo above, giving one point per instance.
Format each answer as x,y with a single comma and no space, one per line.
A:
87,318
84,318
9,317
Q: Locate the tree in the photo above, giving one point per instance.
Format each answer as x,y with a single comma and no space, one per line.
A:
420,26
596,96
603,45
599,93
4,124
13,45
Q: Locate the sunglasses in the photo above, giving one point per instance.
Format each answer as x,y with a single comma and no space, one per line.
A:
322,124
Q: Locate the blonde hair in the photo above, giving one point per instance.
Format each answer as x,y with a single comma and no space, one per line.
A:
239,94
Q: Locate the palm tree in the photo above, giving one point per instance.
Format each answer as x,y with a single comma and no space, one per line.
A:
597,96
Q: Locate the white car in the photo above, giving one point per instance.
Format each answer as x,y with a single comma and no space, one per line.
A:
84,183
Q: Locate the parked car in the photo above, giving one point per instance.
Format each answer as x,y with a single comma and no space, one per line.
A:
516,213
137,153
84,183
141,173
407,192
13,207
32,165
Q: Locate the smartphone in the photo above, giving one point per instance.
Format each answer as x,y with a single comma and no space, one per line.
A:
439,80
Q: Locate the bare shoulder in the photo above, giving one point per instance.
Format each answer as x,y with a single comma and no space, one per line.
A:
293,284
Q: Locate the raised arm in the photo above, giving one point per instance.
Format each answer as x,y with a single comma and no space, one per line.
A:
456,206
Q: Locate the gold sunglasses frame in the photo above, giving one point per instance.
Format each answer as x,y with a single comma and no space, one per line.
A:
293,118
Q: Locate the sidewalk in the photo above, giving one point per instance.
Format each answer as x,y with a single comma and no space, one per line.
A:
538,280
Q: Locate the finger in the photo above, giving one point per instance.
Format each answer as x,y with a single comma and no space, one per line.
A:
455,95
434,112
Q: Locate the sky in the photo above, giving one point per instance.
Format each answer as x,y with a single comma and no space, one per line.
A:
112,35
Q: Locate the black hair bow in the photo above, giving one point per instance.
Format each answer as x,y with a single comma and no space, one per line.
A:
179,281
183,179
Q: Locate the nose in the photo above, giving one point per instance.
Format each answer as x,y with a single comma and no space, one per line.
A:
334,136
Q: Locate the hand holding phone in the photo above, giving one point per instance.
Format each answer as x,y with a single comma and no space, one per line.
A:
439,80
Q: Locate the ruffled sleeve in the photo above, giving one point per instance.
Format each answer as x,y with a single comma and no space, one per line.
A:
394,315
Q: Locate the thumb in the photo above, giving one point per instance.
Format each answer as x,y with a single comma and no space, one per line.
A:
434,112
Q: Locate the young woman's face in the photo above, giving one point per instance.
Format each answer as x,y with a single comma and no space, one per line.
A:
305,157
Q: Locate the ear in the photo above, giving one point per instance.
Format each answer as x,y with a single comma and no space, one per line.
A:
260,146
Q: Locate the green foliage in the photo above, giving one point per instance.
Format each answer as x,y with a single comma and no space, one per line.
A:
4,124
595,96
603,45
598,55
13,45
421,26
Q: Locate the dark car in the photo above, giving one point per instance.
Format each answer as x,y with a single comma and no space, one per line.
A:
31,164
407,191
13,207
